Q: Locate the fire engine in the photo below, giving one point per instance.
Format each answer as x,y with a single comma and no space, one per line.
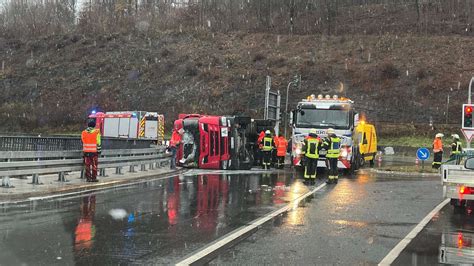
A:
321,113
130,124
214,142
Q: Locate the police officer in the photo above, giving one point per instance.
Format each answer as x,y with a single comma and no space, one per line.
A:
267,146
332,144
311,149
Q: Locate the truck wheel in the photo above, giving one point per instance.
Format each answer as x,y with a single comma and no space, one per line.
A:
372,162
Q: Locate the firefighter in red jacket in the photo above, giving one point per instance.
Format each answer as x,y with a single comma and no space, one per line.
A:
91,146
175,141
282,145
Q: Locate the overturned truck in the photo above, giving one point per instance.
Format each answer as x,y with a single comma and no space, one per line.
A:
214,142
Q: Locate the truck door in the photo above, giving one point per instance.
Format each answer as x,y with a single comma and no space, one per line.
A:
209,157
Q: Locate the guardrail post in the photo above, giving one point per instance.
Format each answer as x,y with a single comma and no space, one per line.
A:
102,172
35,180
61,177
118,170
151,166
132,168
6,182
143,168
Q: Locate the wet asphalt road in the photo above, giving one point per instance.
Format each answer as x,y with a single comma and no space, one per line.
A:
447,239
357,221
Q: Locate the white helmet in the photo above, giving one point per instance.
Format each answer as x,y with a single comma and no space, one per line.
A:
456,136
331,131
268,132
439,135
313,131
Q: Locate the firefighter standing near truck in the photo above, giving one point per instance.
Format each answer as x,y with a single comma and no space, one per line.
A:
282,145
332,144
311,147
456,148
91,146
267,146
437,151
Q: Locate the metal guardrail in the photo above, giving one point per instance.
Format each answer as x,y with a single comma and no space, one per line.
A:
33,143
35,163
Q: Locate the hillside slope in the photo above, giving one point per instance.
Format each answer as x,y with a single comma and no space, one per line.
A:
51,83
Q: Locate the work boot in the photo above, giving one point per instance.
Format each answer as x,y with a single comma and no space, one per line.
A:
329,181
335,180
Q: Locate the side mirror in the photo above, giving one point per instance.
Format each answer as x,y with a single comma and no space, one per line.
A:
469,164
291,118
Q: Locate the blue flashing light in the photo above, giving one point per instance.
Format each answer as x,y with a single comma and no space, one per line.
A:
134,114
93,112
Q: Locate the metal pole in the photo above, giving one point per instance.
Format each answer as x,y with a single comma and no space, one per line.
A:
286,107
470,86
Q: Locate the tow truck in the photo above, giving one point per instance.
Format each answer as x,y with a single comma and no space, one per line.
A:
321,113
214,142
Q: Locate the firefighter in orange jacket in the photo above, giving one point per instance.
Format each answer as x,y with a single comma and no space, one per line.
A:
91,146
437,151
281,144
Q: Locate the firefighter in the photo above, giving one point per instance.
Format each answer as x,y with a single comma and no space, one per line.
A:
174,144
456,148
332,144
267,146
282,145
310,149
91,146
437,151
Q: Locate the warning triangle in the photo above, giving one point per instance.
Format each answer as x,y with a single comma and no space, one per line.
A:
468,133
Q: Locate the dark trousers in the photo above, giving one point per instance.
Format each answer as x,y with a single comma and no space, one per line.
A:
281,161
333,171
310,168
267,158
173,150
91,160
438,157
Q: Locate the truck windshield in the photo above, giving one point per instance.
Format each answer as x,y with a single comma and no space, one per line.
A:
323,118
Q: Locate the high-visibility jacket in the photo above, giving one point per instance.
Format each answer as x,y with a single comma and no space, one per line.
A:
175,139
267,143
334,147
456,147
437,145
311,147
91,140
282,145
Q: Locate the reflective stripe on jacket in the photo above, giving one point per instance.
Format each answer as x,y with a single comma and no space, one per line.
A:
456,147
334,148
91,141
312,148
267,144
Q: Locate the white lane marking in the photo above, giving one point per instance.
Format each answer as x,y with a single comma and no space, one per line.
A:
88,191
395,252
243,230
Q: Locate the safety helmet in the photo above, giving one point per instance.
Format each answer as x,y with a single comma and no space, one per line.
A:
268,132
456,136
439,135
331,131
312,131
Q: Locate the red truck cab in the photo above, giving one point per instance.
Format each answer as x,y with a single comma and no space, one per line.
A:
214,142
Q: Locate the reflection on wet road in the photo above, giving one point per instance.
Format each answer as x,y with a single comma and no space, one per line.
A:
155,222
447,239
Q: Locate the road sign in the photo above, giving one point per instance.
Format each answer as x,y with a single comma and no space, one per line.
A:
423,154
468,134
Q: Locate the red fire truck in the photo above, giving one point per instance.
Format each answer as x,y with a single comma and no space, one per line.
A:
214,142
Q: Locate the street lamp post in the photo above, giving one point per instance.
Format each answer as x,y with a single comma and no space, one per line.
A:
286,107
